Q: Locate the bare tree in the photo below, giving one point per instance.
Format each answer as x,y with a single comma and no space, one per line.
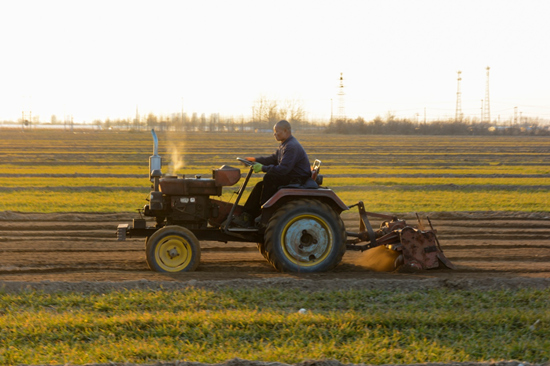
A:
269,111
265,111
151,120
293,111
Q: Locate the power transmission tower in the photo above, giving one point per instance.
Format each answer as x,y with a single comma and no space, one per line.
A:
26,120
487,108
481,114
26,114
458,113
136,120
341,104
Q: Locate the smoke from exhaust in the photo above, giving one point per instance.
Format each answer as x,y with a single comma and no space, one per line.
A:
176,160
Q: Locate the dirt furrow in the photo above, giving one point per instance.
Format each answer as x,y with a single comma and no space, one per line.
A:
83,247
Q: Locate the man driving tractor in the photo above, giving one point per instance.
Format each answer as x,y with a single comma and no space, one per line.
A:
288,165
301,226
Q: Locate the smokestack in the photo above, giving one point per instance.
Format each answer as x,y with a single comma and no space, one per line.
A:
155,161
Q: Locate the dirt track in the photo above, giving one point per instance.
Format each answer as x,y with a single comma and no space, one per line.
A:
79,251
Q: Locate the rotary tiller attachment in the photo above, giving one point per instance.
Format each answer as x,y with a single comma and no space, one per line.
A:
396,245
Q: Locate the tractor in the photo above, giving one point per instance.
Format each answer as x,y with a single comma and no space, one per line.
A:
299,230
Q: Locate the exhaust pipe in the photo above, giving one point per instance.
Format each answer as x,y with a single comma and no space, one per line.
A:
155,161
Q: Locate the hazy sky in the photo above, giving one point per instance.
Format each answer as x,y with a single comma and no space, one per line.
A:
99,59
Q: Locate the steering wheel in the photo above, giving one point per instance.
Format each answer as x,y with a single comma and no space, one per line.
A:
246,162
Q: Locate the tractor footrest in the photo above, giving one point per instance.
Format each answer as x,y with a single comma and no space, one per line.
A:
121,232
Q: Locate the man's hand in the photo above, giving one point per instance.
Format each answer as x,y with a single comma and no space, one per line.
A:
257,167
251,159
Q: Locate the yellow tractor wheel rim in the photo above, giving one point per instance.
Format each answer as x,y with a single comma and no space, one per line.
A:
307,240
173,253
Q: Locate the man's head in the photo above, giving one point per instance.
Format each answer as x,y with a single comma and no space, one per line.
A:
282,130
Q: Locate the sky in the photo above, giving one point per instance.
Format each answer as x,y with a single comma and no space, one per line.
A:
103,59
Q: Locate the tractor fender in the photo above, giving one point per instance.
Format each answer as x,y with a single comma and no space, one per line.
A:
323,194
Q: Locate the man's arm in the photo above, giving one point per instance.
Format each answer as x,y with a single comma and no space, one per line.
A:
268,160
289,157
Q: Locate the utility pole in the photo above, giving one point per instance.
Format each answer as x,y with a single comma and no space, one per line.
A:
481,120
341,94
424,115
26,114
331,110
520,117
136,123
458,112
487,109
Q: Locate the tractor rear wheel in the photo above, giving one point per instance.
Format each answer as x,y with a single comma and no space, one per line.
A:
173,249
261,248
304,236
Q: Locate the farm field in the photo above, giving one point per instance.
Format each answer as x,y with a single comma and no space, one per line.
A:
63,194
58,171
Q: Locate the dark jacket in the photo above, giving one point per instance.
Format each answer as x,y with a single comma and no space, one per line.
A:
290,159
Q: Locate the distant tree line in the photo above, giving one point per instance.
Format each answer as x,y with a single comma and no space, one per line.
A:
268,111
265,113
397,126
202,123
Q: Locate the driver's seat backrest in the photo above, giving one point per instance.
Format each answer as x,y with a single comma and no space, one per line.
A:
317,178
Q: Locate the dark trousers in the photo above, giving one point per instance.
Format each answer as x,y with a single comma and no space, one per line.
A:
263,191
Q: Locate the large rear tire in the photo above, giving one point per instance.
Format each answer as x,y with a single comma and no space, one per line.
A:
305,236
173,249
261,249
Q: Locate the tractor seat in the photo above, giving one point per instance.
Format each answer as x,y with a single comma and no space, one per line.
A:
317,178
314,181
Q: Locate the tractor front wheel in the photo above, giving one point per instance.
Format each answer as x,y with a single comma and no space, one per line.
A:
173,249
305,236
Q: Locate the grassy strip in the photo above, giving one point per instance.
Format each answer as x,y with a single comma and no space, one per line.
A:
393,181
44,168
263,324
74,182
67,201
449,200
205,168
40,182
42,200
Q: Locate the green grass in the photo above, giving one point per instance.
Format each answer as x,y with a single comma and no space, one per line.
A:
73,201
351,326
390,173
404,181
395,201
336,167
75,182
391,201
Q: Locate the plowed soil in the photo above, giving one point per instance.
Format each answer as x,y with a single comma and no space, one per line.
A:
79,251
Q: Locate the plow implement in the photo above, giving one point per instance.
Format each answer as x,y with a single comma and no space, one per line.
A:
396,245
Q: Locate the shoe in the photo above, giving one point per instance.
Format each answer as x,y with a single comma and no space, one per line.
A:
244,220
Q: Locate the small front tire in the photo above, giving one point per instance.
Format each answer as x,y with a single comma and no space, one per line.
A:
173,249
